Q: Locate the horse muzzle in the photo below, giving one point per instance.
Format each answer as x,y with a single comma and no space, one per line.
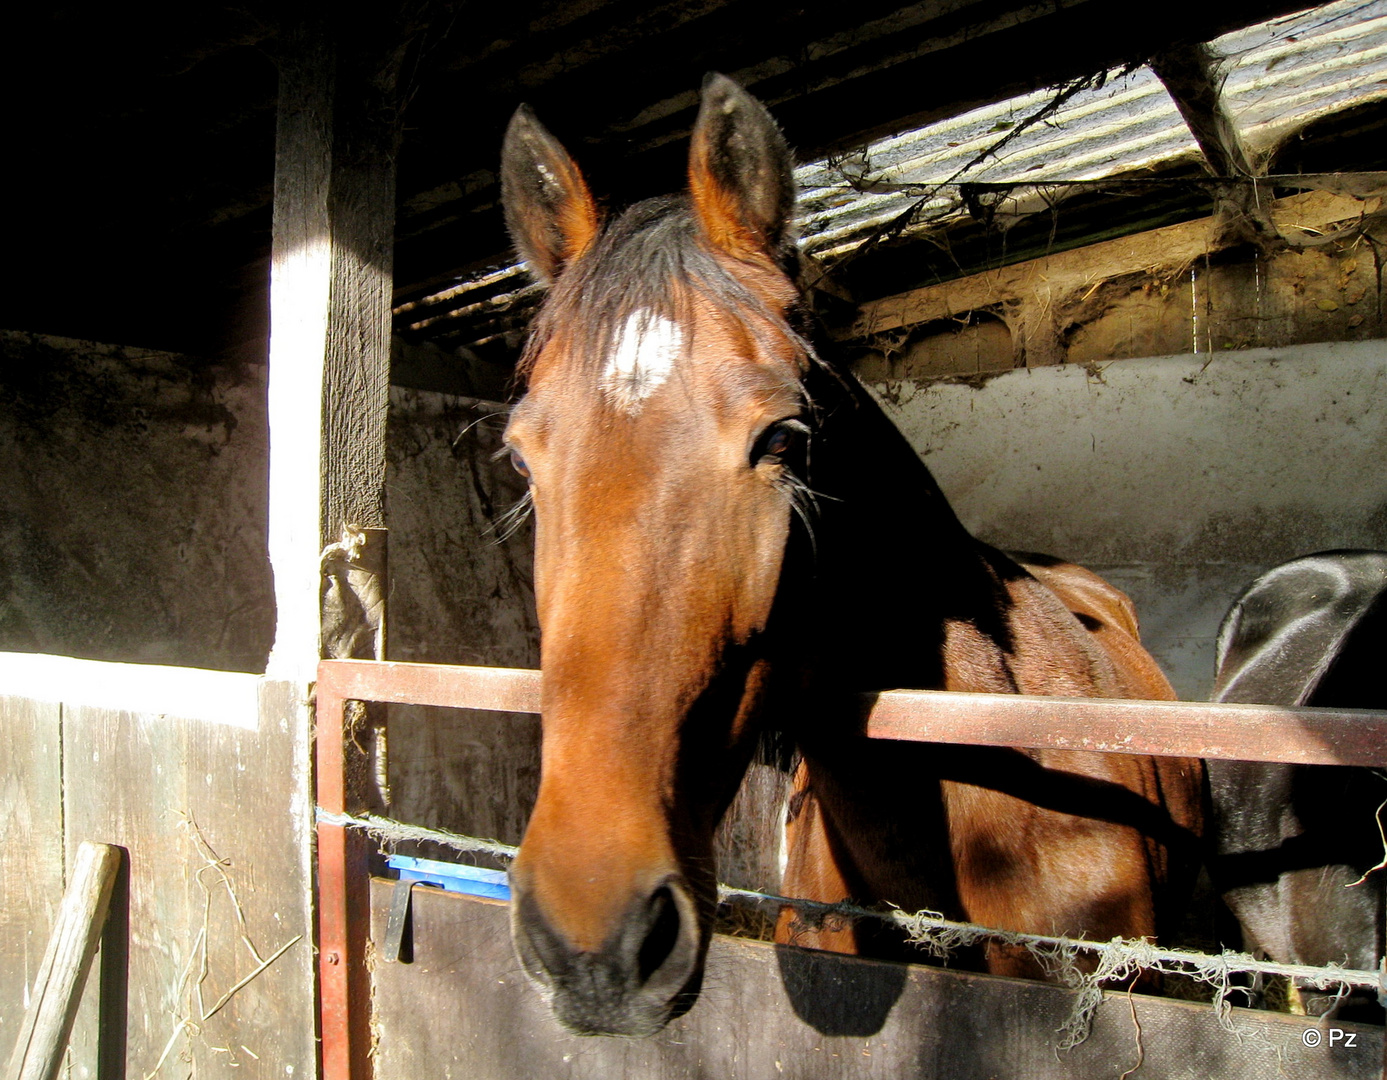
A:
647,971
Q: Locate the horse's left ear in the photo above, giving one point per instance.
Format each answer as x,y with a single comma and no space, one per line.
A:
741,174
551,215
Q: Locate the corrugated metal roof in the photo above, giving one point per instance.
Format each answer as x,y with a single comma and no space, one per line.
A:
1279,76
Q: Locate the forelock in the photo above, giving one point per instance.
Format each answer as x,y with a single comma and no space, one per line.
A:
638,285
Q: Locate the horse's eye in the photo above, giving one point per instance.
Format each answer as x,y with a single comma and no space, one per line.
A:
779,441
776,441
519,463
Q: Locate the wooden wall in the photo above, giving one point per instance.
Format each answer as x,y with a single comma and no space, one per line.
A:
31,848
463,1007
215,821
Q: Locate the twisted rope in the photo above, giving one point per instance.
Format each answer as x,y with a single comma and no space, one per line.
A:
1117,960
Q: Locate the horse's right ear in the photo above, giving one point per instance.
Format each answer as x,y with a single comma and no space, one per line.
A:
741,174
550,213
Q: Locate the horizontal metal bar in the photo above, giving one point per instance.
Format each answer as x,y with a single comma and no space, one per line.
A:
1302,736
495,689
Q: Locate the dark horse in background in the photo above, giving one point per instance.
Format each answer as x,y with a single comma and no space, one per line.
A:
715,507
1292,839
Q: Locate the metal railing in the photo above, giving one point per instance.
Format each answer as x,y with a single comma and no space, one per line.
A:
1296,735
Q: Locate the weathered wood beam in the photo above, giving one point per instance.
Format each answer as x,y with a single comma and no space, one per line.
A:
330,287
1192,76
1037,287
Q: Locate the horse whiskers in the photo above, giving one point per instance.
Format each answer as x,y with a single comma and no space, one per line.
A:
804,501
803,504
481,419
505,526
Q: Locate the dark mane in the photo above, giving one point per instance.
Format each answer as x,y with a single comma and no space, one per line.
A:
652,259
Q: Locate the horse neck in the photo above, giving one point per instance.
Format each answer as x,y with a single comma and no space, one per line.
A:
892,564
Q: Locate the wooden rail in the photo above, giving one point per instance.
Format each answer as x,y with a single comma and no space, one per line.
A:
1307,736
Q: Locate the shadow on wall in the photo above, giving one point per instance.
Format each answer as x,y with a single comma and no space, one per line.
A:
135,488
835,998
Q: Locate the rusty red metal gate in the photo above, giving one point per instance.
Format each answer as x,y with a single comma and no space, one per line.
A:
1298,735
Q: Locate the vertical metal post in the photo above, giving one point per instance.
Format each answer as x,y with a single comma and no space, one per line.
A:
344,910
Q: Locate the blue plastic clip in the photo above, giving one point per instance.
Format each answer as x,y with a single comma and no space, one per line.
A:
454,877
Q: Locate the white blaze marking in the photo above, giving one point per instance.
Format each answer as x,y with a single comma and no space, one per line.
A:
645,353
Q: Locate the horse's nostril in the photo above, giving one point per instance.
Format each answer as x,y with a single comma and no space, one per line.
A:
646,969
662,936
543,953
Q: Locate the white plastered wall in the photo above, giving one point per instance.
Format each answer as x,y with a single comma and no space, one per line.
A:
1178,478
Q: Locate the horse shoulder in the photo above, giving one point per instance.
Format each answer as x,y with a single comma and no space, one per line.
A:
1110,618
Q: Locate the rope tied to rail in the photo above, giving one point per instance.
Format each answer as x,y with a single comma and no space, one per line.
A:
1117,960
1114,961
390,832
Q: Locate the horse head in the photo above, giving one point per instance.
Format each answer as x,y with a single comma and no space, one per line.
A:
662,430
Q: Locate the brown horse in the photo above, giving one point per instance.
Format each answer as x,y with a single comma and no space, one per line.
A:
716,509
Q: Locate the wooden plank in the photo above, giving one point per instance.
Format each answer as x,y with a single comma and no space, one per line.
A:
42,1040
31,850
1179,728
217,823
464,1008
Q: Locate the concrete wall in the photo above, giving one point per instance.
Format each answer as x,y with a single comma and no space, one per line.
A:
134,488
459,594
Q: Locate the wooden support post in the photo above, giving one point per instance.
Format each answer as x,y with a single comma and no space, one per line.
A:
330,293
330,298
38,1051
